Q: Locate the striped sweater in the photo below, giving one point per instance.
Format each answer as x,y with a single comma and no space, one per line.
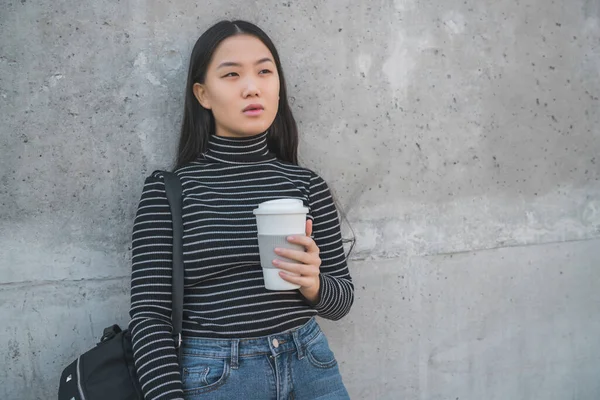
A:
224,295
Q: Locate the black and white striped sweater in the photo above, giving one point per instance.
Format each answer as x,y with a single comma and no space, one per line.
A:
224,293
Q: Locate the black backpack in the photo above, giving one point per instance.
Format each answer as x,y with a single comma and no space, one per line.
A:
107,371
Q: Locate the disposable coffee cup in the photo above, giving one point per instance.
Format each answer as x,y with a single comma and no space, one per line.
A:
276,220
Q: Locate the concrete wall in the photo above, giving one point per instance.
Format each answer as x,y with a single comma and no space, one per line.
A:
462,138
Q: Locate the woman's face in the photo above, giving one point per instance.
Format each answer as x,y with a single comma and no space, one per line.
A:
242,73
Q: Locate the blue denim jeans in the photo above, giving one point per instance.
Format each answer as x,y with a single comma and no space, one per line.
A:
296,364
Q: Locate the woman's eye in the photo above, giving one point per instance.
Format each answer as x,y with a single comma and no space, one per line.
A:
265,71
230,74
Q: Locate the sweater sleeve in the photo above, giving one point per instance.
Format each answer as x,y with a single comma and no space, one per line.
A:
336,292
153,346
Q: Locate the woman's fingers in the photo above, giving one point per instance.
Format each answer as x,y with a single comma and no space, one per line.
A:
297,255
308,262
300,269
305,241
303,281
309,226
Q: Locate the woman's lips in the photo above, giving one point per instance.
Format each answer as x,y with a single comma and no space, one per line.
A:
254,112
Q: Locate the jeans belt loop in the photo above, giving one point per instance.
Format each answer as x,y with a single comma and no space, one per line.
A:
299,345
235,349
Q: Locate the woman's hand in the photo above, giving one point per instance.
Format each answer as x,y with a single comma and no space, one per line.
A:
307,267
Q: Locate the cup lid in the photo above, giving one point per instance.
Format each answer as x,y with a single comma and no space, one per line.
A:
281,206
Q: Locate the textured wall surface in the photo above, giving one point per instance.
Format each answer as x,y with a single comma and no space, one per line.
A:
462,138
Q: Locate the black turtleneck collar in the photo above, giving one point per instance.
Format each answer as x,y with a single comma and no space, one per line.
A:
238,150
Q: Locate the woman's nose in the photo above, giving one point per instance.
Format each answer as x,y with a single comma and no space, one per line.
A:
251,88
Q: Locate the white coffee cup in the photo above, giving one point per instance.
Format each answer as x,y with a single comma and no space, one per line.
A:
276,220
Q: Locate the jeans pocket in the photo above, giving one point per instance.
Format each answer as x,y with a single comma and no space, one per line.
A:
319,354
201,374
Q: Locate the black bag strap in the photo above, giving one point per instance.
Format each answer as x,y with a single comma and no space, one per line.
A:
174,196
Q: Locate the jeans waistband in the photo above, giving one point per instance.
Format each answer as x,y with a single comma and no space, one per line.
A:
295,339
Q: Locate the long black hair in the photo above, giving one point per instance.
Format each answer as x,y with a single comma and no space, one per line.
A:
198,122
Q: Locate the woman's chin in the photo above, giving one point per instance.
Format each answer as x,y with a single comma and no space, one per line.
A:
248,130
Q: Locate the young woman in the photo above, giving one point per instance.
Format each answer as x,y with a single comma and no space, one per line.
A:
238,148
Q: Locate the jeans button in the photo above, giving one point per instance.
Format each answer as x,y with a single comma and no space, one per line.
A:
275,343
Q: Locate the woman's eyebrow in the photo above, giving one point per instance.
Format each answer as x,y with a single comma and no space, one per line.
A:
236,64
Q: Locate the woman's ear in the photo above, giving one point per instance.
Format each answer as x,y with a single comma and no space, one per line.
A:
201,96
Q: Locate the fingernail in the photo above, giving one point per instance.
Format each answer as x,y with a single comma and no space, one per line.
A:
291,238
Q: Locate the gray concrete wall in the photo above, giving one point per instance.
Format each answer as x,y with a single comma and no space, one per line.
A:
462,138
